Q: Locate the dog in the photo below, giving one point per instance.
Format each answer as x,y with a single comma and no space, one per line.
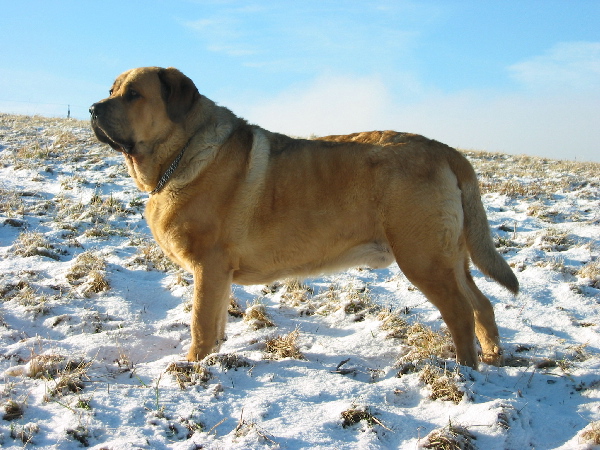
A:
234,203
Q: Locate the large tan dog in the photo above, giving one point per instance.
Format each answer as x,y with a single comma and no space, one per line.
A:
234,203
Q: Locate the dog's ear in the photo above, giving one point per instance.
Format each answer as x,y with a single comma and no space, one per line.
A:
178,92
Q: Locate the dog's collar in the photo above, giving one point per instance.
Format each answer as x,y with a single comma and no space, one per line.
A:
167,175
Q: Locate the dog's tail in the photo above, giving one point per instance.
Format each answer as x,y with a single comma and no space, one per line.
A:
476,227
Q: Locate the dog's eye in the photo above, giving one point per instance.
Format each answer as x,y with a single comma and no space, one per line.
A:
110,92
132,94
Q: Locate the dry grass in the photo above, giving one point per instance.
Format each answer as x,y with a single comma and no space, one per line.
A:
39,144
51,366
591,271
106,206
554,240
11,203
296,294
12,410
71,380
151,256
234,309
426,343
94,283
284,346
189,373
245,428
355,415
355,301
24,433
359,303
591,434
84,264
226,361
81,434
442,383
531,177
30,243
63,375
555,263
392,322
87,271
451,437
31,299
257,317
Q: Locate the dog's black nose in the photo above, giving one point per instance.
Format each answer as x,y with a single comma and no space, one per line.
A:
93,113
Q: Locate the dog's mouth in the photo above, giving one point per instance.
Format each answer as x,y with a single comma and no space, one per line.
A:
123,146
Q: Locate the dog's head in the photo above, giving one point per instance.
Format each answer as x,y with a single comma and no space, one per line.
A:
144,107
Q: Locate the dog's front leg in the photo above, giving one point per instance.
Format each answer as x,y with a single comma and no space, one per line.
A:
212,287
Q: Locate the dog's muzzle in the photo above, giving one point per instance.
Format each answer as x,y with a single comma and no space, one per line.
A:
94,111
98,118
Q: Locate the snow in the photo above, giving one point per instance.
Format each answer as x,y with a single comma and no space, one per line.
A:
117,344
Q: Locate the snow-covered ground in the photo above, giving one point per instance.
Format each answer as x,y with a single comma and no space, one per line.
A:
94,324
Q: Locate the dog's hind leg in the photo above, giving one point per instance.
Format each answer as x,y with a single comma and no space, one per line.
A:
441,279
442,289
485,324
212,288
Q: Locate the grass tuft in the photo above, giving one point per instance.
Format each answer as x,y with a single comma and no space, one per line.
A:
355,415
426,343
256,316
12,410
392,322
189,373
591,271
25,433
152,257
592,433
227,361
451,437
443,384
88,271
81,434
30,243
284,346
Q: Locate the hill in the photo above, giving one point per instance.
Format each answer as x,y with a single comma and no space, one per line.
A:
94,323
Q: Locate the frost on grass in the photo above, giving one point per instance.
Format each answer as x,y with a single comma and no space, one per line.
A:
189,373
425,343
32,243
87,272
284,346
591,434
358,414
25,433
442,383
151,256
591,271
226,361
12,410
394,324
257,317
70,223
451,437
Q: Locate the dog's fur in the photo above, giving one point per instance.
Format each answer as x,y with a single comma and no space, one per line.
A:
249,206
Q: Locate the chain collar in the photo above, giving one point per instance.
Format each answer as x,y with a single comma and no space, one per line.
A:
167,175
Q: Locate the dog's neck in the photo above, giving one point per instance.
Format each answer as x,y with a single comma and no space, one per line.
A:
167,175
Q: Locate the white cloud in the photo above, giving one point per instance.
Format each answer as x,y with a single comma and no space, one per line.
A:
567,65
330,104
562,125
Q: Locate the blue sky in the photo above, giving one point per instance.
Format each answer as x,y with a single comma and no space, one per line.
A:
510,76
